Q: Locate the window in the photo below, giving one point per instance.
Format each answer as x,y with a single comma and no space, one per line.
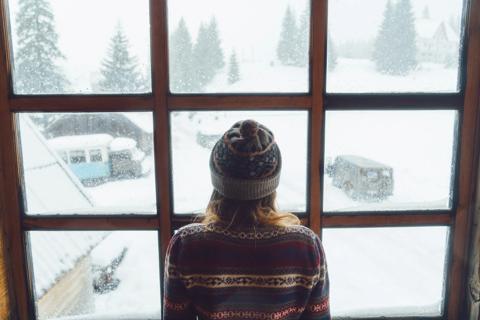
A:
95,155
106,126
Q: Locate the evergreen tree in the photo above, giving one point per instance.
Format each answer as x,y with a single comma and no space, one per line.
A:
303,40
203,70
233,70
287,51
331,54
120,71
181,50
36,70
405,49
383,49
215,48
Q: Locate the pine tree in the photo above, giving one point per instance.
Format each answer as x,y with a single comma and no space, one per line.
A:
303,40
203,71
216,52
405,49
287,51
331,54
120,71
181,50
36,70
383,50
233,69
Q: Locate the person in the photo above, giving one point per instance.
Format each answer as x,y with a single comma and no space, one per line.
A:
245,260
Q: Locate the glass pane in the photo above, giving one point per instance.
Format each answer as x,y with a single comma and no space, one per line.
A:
194,135
389,160
88,163
89,46
403,46
386,271
238,46
95,274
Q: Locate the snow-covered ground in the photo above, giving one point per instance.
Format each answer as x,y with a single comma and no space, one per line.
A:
138,292
359,76
386,271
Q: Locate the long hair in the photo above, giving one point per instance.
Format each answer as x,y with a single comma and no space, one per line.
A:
245,213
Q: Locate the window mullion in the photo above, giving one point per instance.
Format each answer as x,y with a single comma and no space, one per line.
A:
12,211
80,103
456,291
158,22
242,101
317,87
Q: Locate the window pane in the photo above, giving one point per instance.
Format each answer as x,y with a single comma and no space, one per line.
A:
95,274
88,163
403,46
194,135
389,160
56,50
239,46
386,271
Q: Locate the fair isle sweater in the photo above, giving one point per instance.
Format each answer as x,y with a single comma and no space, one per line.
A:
276,273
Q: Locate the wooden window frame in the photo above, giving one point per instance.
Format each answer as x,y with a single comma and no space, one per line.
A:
161,102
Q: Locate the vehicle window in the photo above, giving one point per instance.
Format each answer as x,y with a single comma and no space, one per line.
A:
96,155
77,156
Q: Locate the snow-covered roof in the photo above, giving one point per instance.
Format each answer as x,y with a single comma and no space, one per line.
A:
429,28
141,119
363,162
120,144
50,185
54,253
80,142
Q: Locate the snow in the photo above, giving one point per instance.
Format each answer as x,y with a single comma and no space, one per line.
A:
81,141
121,144
138,293
139,274
141,119
359,76
386,271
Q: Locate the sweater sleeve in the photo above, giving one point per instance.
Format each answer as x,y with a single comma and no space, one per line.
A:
176,302
318,306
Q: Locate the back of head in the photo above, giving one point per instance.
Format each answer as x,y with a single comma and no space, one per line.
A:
245,166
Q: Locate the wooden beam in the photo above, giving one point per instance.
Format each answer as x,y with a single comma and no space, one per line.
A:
72,103
228,102
318,61
14,237
159,49
90,223
386,220
456,287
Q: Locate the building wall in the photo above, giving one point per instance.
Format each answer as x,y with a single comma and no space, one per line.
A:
72,295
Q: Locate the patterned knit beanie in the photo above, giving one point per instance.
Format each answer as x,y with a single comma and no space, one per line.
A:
245,163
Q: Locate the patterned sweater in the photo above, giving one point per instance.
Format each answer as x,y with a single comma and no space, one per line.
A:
271,273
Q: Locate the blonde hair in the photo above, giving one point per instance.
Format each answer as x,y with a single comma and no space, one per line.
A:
260,212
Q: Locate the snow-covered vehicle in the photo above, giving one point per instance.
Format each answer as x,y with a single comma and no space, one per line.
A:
126,159
361,178
97,157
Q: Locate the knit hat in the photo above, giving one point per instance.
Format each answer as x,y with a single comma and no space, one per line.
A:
245,163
